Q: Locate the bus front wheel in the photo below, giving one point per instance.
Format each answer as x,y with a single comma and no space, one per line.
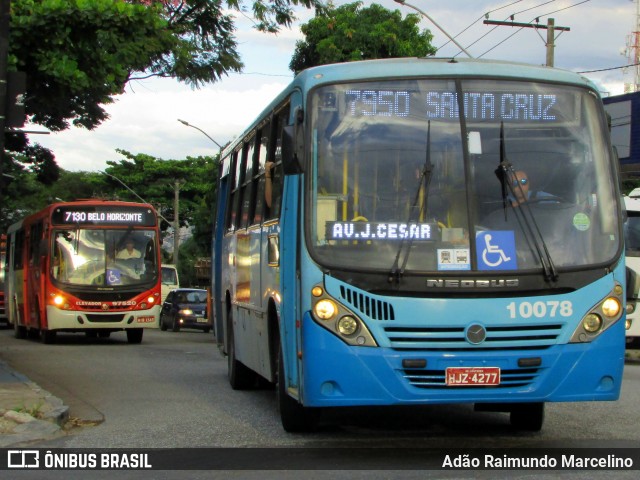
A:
47,336
528,416
134,335
293,415
19,331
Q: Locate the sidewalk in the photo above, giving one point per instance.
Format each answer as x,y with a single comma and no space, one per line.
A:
27,412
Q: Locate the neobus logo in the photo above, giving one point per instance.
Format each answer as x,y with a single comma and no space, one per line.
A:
472,283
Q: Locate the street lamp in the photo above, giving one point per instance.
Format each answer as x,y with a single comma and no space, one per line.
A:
177,190
184,122
402,2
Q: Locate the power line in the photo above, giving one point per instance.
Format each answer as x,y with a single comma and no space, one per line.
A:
485,15
612,68
534,19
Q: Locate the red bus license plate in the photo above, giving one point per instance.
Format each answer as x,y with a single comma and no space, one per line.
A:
464,376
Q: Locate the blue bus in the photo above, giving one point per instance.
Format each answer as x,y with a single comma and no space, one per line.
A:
423,231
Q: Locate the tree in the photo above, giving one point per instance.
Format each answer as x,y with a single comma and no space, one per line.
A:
153,179
79,54
350,33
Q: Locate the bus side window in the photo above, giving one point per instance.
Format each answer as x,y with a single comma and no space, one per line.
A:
232,216
245,189
275,147
259,178
18,263
34,244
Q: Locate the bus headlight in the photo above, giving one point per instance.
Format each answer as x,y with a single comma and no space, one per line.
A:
611,307
325,309
592,323
627,324
58,300
347,325
336,317
600,317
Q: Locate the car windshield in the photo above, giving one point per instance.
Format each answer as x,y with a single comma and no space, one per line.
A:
104,257
195,297
401,180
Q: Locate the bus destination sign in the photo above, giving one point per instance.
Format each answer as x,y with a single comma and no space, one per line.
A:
103,215
380,231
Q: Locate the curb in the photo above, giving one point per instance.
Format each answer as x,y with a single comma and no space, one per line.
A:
27,412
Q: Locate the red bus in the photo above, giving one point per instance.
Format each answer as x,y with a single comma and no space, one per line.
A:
88,266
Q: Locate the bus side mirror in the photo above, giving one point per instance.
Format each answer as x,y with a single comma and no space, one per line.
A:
293,145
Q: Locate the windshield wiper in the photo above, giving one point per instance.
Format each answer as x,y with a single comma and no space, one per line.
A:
425,177
505,173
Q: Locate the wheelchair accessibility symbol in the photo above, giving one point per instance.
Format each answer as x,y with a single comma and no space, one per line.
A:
496,250
113,277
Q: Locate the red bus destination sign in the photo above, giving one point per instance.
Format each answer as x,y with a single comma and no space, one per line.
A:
103,215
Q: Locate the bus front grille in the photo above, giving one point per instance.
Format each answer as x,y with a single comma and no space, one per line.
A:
367,305
436,378
503,337
106,318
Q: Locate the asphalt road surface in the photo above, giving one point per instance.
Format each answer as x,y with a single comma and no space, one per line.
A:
171,391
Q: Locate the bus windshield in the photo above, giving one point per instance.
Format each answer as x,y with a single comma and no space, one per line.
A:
107,258
459,175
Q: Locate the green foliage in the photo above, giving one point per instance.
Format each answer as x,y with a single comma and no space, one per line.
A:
152,179
350,33
79,54
155,181
26,195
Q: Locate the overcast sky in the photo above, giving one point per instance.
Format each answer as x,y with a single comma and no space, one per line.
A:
144,118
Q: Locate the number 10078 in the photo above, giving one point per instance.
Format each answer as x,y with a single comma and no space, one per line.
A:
550,308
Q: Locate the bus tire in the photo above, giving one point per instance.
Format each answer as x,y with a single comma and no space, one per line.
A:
47,336
19,331
528,416
293,415
134,335
240,376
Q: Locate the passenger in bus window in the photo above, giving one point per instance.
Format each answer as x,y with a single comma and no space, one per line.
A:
129,251
268,183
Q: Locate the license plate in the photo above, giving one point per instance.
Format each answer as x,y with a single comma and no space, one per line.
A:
472,376
201,320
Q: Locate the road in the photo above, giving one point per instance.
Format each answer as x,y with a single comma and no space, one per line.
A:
172,391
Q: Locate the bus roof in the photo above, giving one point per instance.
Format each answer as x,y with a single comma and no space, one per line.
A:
409,67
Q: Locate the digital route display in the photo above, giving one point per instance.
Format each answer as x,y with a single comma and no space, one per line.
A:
103,215
380,231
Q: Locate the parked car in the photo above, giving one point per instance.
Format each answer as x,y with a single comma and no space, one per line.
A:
185,308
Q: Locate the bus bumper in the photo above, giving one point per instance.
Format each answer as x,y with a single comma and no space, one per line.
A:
74,321
336,374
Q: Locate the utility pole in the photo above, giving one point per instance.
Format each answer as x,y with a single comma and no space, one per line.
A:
176,220
551,32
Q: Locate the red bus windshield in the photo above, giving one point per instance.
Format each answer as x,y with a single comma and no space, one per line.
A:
107,258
